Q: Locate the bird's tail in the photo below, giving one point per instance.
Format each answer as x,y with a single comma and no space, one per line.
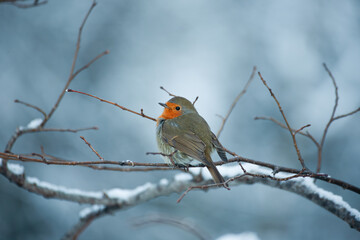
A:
215,174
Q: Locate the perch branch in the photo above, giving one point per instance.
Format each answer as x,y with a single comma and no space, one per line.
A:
136,166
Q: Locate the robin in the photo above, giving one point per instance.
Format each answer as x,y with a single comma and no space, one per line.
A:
183,136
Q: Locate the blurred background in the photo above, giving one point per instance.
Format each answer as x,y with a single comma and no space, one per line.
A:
192,48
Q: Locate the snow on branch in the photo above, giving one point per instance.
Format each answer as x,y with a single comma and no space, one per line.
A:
116,199
33,124
120,198
240,236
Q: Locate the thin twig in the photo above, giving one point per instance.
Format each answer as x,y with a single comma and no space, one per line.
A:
224,119
63,129
322,141
71,76
170,94
24,5
332,119
112,103
89,63
307,134
171,221
347,114
286,121
302,128
19,132
197,97
76,230
97,154
31,106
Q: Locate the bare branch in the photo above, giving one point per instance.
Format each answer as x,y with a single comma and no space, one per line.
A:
322,141
31,106
197,97
19,132
72,75
173,222
302,128
112,103
332,119
97,154
89,63
170,94
24,5
286,121
224,119
347,114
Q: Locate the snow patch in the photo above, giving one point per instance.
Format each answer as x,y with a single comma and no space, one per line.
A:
309,183
183,177
53,187
90,210
231,171
34,123
240,236
125,194
16,168
163,181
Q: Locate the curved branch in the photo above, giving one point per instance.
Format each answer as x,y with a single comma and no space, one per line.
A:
141,113
301,186
181,224
21,131
17,3
31,106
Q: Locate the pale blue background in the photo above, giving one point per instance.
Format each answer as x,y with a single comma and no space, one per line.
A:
193,48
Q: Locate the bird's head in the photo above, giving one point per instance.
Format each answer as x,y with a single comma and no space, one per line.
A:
176,107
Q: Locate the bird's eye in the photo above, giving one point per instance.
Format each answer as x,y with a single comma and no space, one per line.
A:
177,108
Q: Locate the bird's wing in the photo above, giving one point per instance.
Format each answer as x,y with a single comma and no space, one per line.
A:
188,143
219,148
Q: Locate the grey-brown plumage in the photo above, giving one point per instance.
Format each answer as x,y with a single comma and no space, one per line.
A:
183,131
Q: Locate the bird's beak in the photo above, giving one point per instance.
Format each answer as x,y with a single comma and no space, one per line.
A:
164,105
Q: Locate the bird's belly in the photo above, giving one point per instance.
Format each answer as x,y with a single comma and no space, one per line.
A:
174,156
